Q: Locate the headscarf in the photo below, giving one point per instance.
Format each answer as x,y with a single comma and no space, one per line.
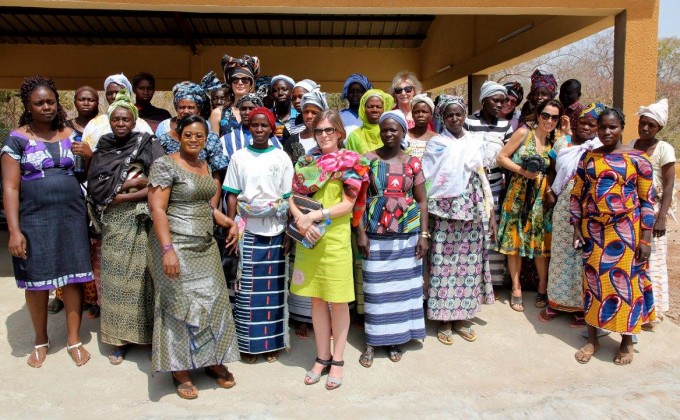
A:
657,111
191,91
317,99
86,88
123,100
315,169
285,78
593,110
267,113
118,79
263,86
490,88
367,137
356,78
211,83
516,90
546,80
421,97
246,65
250,97
308,85
397,116
444,102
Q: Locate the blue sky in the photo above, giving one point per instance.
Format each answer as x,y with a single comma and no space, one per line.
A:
669,12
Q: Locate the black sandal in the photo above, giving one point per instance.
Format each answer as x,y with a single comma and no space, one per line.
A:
366,358
541,300
394,353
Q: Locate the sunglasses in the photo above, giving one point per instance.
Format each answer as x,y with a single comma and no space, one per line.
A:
242,80
407,89
547,116
327,130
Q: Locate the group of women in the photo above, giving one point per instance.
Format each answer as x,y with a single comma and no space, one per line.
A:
404,206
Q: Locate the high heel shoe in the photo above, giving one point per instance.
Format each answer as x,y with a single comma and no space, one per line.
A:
315,377
334,382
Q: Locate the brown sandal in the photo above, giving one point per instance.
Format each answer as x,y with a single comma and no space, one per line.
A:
271,357
223,379
78,354
582,356
186,391
248,358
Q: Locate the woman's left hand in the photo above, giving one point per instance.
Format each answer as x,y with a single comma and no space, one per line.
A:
422,247
232,238
659,227
642,253
313,234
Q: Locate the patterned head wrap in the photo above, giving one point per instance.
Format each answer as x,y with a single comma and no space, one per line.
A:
546,80
250,97
315,98
658,112
285,78
444,102
490,88
397,116
211,83
263,86
191,91
421,97
118,79
593,110
263,111
246,65
356,78
123,100
387,100
516,90
308,85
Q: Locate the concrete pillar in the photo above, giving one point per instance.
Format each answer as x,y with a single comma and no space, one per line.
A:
475,82
635,59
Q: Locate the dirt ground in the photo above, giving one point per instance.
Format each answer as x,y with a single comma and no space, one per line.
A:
674,269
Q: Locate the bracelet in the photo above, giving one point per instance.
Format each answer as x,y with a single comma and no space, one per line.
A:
168,248
425,235
643,242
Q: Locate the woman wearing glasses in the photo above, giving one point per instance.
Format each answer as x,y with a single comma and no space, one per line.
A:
338,179
525,228
405,86
239,75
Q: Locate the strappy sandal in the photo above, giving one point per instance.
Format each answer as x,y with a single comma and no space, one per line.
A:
366,358
578,322
315,377
302,330
333,382
117,355
35,355
516,303
185,391
547,315
582,356
224,380
394,353
271,357
541,300
81,356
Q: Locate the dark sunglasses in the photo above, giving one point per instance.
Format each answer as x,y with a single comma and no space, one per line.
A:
407,89
327,130
547,116
243,80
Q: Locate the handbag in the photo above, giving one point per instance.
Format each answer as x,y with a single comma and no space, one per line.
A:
305,205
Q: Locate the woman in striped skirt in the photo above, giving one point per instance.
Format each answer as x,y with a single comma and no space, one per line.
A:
392,239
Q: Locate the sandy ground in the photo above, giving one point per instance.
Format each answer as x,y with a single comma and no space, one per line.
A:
519,367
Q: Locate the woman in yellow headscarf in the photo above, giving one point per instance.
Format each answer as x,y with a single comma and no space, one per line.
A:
367,138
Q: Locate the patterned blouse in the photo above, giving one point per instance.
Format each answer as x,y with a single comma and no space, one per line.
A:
212,152
390,206
38,158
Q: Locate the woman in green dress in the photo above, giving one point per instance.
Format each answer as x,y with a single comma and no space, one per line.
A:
193,325
338,179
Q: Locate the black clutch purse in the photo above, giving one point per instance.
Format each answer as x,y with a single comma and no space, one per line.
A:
305,205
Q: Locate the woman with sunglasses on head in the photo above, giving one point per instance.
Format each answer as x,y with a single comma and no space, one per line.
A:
405,86
525,227
338,179
612,213
239,75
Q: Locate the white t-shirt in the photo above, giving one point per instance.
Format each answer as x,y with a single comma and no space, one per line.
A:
663,154
260,177
308,143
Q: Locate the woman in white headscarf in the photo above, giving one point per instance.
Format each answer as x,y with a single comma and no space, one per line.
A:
652,119
422,111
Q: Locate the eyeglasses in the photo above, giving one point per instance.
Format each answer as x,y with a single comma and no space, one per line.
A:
242,80
547,116
407,89
197,136
327,130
